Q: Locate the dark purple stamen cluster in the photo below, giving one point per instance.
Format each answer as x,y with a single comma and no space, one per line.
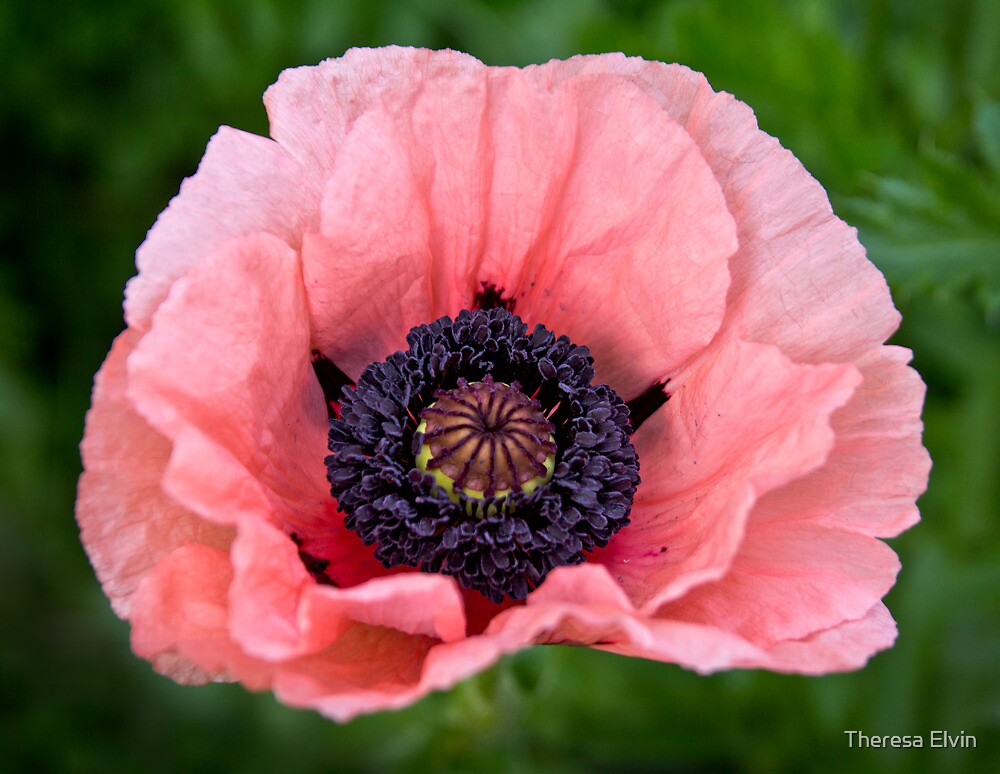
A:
412,522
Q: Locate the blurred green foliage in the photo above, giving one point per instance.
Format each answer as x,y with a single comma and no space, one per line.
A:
105,107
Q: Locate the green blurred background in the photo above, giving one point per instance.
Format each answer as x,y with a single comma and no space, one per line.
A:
105,107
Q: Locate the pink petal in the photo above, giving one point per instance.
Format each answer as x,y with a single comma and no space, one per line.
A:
412,602
126,522
269,581
368,276
312,109
586,204
790,580
800,279
878,466
583,605
180,623
741,421
632,259
703,649
244,184
589,584
225,373
180,620
278,611
370,669
838,649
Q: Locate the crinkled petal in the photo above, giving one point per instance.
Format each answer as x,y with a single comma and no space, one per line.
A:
583,605
180,620
269,581
790,580
369,274
841,648
244,184
370,668
225,373
632,260
586,204
312,109
126,521
802,566
877,467
800,279
278,611
845,647
181,624
742,421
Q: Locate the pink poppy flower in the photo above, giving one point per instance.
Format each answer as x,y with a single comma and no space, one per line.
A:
691,460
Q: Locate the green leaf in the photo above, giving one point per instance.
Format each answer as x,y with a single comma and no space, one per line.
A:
986,125
940,232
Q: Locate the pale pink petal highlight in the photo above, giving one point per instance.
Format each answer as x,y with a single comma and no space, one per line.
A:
312,109
368,275
633,265
244,184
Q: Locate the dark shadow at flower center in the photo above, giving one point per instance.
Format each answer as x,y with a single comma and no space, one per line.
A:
492,297
331,380
646,403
